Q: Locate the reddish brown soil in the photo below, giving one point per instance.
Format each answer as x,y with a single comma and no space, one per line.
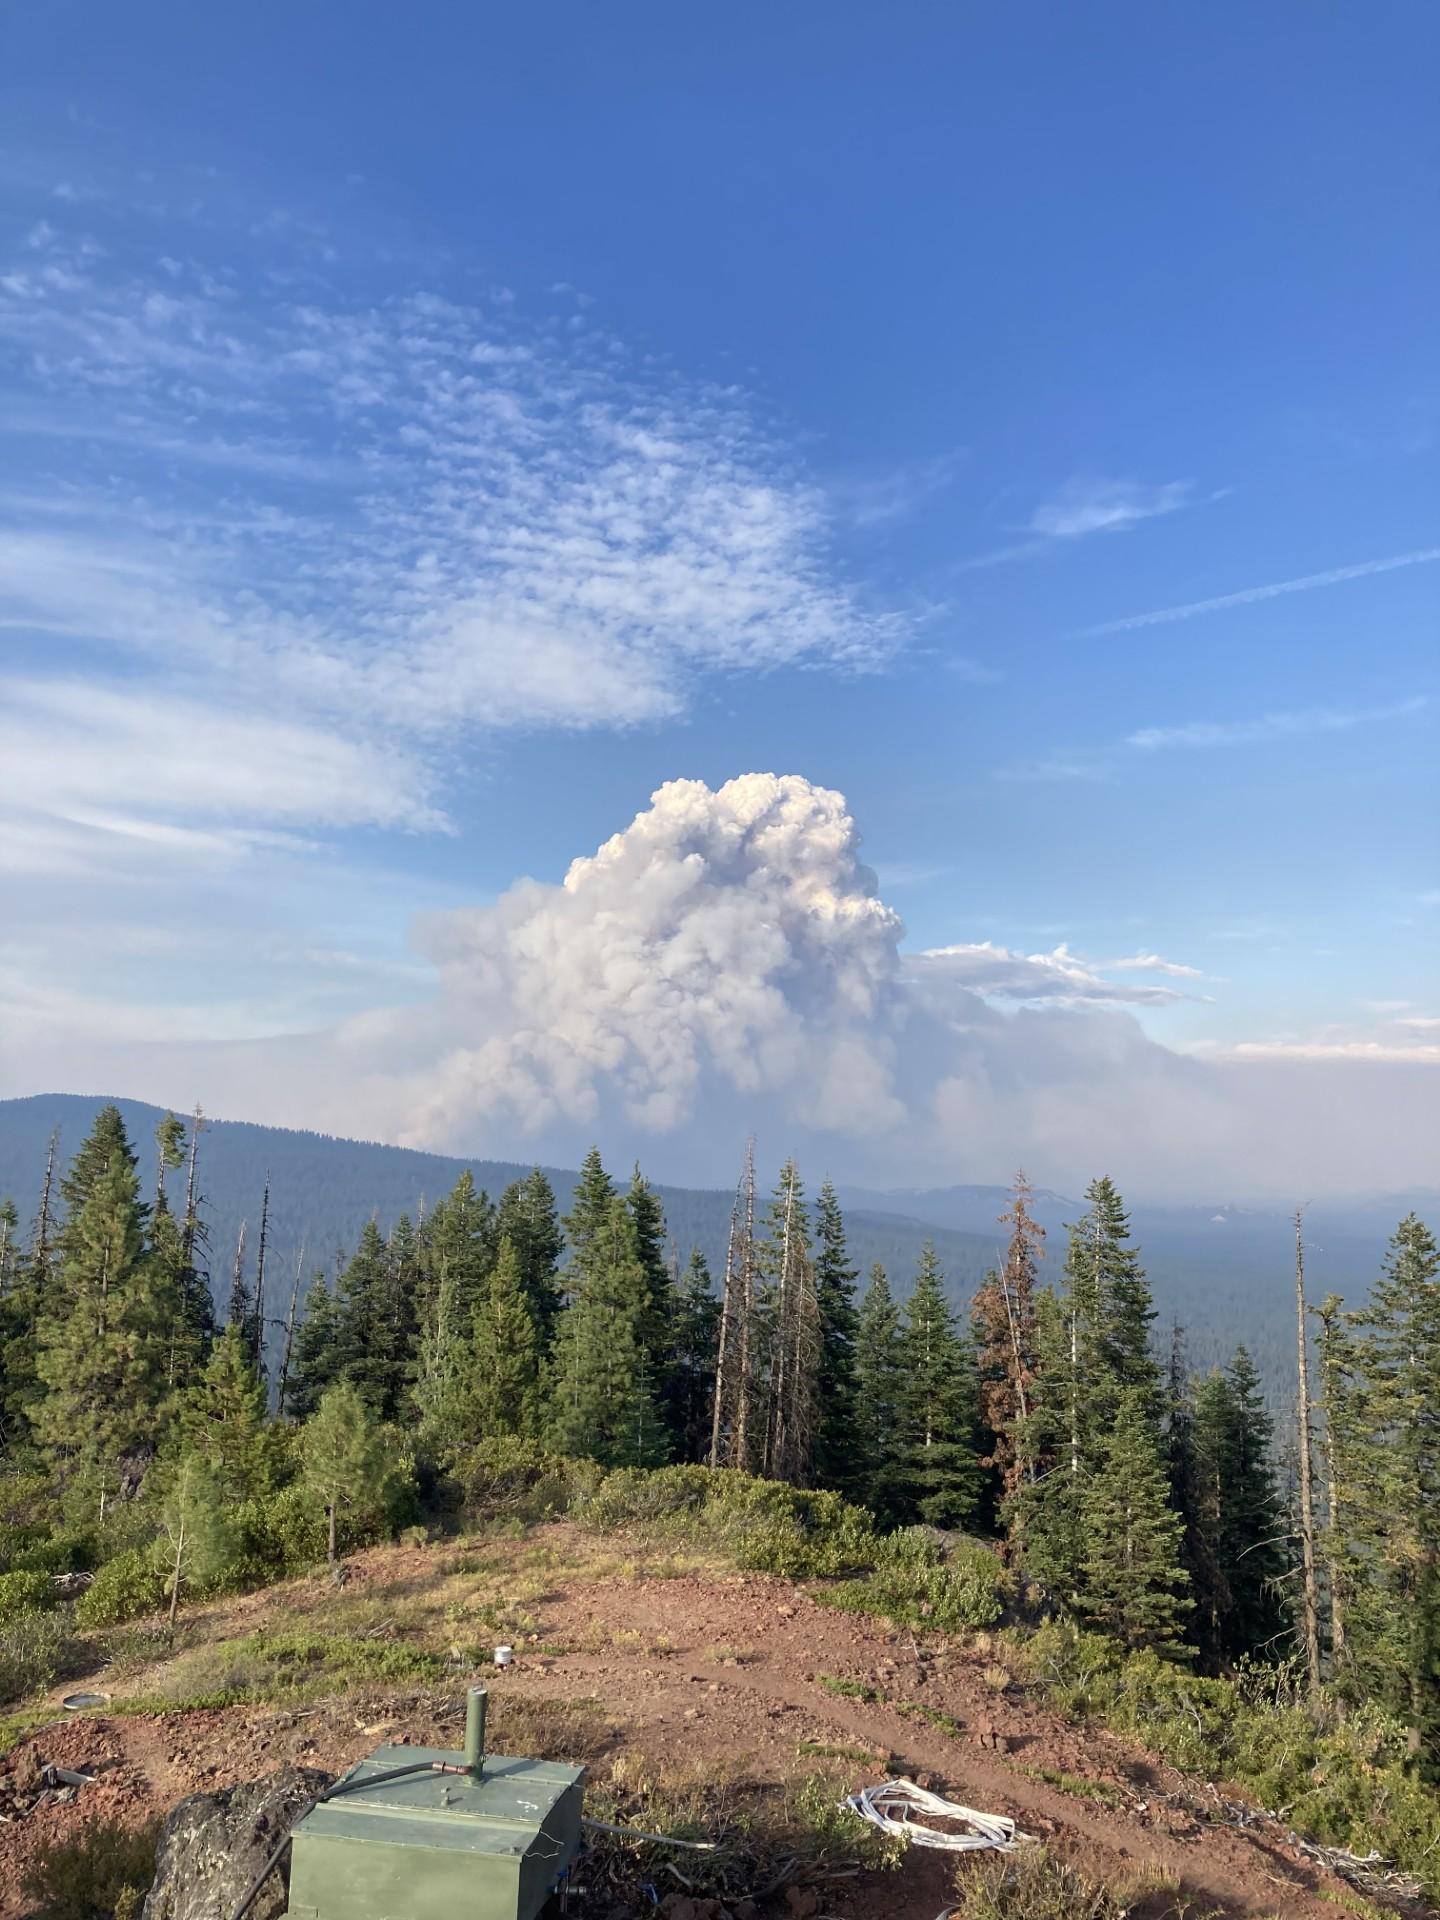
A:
689,1669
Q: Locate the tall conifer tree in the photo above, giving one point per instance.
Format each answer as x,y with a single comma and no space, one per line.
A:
504,1394
879,1392
604,1399
939,1457
835,1279
528,1218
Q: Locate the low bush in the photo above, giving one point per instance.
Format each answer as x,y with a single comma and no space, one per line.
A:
506,1478
915,1586
64,1552
27,1503
1345,1783
1032,1884
102,1874
22,1593
122,1589
31,1646
761,1525
276,1534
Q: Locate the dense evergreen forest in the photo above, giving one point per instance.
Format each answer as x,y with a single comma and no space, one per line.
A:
1210,1270
174,1446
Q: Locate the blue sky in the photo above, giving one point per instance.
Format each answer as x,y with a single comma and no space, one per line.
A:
425,438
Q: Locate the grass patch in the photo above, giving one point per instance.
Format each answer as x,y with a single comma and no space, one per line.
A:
848,1689
1035,1884
291,1666
765,1836
106,1871
32,1649
837,1750
1105,1791
945,1723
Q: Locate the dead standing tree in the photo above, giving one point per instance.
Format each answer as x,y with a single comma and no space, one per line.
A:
795,1355
1005,1321
731,1422
1310,1599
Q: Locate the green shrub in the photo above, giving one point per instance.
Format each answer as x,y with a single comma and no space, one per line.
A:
506,1477
26,1512
22,1593
1346,1784
276,1534
123,1589
912,1583
763,1525
65,1552
106,1870
31,1646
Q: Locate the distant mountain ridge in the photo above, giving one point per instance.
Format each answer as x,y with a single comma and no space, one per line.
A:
1224,1273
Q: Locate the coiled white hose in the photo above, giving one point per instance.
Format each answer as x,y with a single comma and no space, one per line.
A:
893,1804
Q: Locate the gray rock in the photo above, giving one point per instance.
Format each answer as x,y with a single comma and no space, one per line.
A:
213,1845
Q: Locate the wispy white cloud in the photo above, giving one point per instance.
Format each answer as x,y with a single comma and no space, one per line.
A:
1269,726
1150,963
1086,505
1382,1052
1248,596
1058,978
876,500
342,518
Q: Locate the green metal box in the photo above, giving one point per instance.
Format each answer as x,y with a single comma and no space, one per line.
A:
438,1846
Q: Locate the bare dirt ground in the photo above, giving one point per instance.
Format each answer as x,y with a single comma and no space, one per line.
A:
680,1670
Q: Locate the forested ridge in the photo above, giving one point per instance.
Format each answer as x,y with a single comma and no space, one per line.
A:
1153,1501
1210,1272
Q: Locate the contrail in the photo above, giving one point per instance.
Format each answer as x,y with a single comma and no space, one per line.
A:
1164,615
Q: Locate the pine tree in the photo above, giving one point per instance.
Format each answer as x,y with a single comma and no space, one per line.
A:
1394,1530
374,1300
939,1458
99,1338
690,1361
591,1210
106,1141
527,1217
647,1217
1253,1538
183,1294
604,1397
1196,1413
1233,1506
788,1323
1093,1346
1133,1585
197,1538
835,1387
315,1363
504,1396
875,1475
343,1458
20,1298
459,1247
225,1424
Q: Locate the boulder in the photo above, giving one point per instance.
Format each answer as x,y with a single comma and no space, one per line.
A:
213,1845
